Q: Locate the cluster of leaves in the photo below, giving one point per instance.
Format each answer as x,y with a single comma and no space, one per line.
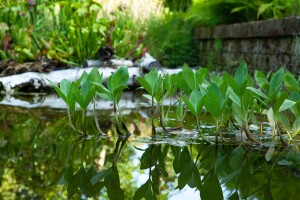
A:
178,43
87,87
66,31
228,98
216,12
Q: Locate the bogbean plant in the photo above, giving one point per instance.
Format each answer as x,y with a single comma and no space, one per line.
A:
237,99
85,90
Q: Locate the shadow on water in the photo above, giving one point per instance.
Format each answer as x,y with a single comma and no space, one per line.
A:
41,157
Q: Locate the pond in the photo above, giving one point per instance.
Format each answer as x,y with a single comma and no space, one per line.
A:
41,157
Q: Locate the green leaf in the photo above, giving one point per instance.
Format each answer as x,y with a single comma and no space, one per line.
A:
189,77
196,99
101,175
258,93
261,80
213,101
182,84
106,96
228,79
233,96
142,191
117,79
284,163
65,91
150,157
236,157
145,85
94,76
269,153
185,175
263,8
286,105
117,93
296,126
201,75
211,188
181,158
114,191
291,82
234,196
241,75
276,82
189,105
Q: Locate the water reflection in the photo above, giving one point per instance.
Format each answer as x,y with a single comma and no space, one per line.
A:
45,159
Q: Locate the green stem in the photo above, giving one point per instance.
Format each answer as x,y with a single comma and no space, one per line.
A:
83,122
200,132
95,118
152,116
70,119
217,130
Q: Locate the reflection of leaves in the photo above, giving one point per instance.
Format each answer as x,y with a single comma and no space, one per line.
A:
82,180
114,190
244,182
189,176
144,191
150,157
267,192
63,177
237,157
181,158
234,196
211,188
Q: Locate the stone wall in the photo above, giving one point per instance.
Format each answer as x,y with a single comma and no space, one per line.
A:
265,45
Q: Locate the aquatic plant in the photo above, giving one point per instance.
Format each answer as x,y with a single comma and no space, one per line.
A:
116,83
215,103
151,83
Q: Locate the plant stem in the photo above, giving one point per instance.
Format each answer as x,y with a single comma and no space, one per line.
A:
217,130
83,122
200,132
95,118
70,120
249,135
161,119
152,116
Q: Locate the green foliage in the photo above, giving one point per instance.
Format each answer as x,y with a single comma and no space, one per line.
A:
68,32
171,40
216,12
239,97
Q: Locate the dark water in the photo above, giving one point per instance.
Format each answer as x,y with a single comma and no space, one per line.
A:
41,157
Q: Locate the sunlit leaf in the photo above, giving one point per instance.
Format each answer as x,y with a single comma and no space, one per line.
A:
258,93
286,105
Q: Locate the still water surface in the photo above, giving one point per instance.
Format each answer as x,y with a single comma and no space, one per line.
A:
41,157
